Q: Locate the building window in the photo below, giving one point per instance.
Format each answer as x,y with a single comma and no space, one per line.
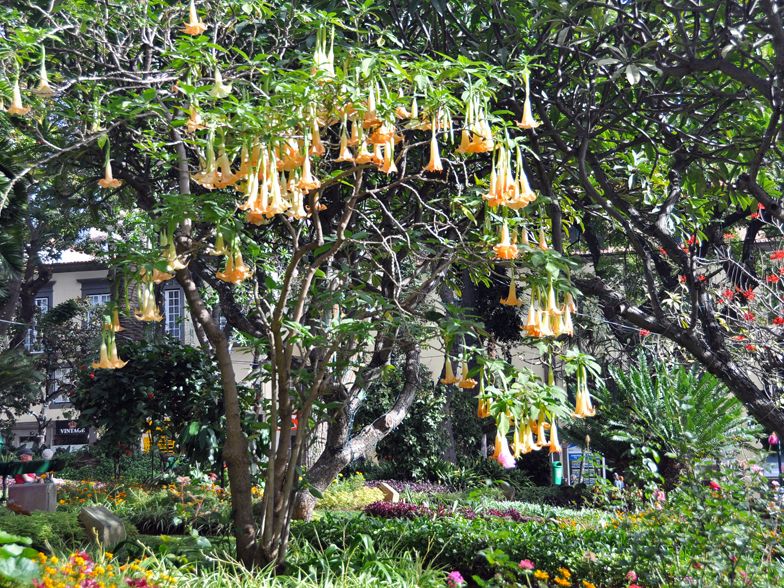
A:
99,299
61,379
173,309
32,338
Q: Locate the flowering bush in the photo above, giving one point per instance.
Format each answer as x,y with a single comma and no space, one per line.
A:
82,571
350,494
398,510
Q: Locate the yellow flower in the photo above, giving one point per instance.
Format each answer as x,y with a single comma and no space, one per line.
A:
540,575
450,376
16,104
528,121
44,89
587,584
505,249
435,159
564,572
555,445
465,381
109,181
194,26
562,582
511,300
219,89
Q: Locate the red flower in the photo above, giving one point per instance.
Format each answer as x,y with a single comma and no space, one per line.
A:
755,215
730,236
92,376
781,270
681,278
749,294
739,338
713,486
777,255
691,240
702,278
728,294
760,206
128,452
750,347
662,251
778,321
720,301
772,279
748,316
151,395
644,332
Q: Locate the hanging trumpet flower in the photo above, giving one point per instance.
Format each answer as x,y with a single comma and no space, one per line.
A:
502,453
236,271
584,407
109,358
528,121
505,249
219,89
148,309
555,444
109,181
194,26
16,102
44,89
449,378
511,300
435,160
194,122
465,381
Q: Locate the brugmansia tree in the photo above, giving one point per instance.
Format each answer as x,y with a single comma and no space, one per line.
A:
660,130
324,184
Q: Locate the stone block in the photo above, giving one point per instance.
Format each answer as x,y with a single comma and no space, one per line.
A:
102,526
33,497
390,494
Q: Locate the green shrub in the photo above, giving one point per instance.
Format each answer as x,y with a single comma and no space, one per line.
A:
717,533
351,499
61,530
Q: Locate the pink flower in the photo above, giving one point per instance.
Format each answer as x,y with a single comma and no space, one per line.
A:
773,439
455,579
506,459
526,564
659,495
714,486
631,576
634,586
756,469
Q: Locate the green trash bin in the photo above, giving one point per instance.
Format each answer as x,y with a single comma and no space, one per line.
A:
557,473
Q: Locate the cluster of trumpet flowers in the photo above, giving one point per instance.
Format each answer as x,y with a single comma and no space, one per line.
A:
109,358
523,439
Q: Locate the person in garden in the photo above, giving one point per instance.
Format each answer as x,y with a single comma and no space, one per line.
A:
25,455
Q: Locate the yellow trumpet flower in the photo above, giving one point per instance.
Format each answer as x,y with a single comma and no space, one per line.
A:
44,89
465,381
114,325
219,89
194,122
555,444
194,26
109,181
528,121
103,362
511,300
505,249
541,427
542,240
148,310
552,306
116,362
16,102
450,376
434,165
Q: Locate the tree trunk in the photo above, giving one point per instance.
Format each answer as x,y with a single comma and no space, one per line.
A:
341,450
